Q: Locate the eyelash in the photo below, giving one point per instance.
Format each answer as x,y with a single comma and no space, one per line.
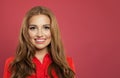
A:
46,27
32,28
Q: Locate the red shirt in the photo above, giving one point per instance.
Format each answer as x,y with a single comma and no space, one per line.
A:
41,68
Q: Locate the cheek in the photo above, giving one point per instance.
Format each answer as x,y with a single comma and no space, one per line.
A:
48,34
31,34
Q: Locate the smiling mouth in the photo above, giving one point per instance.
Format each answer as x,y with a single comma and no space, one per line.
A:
39,41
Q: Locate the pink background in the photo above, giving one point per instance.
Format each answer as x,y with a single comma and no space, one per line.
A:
90,31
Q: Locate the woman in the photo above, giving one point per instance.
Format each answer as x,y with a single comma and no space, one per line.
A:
40,52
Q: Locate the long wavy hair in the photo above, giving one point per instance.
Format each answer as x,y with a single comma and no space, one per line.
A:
22,66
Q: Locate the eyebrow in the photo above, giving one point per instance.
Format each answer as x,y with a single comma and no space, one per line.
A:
36,25
32,25
46,24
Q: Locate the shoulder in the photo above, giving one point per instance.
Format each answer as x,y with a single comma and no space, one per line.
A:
9,60
6,67
71,63
69,60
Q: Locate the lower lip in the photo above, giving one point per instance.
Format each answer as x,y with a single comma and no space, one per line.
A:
39,42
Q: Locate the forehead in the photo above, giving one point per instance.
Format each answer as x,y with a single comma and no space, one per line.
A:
39,19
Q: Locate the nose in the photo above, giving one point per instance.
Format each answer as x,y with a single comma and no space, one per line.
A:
39,32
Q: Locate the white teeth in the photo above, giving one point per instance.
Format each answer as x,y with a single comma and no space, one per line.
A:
40,40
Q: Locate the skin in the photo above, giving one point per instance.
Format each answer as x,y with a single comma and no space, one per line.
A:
40,35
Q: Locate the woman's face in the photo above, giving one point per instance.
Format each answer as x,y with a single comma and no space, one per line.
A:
39,31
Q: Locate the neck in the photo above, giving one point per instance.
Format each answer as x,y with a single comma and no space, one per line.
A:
39,54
